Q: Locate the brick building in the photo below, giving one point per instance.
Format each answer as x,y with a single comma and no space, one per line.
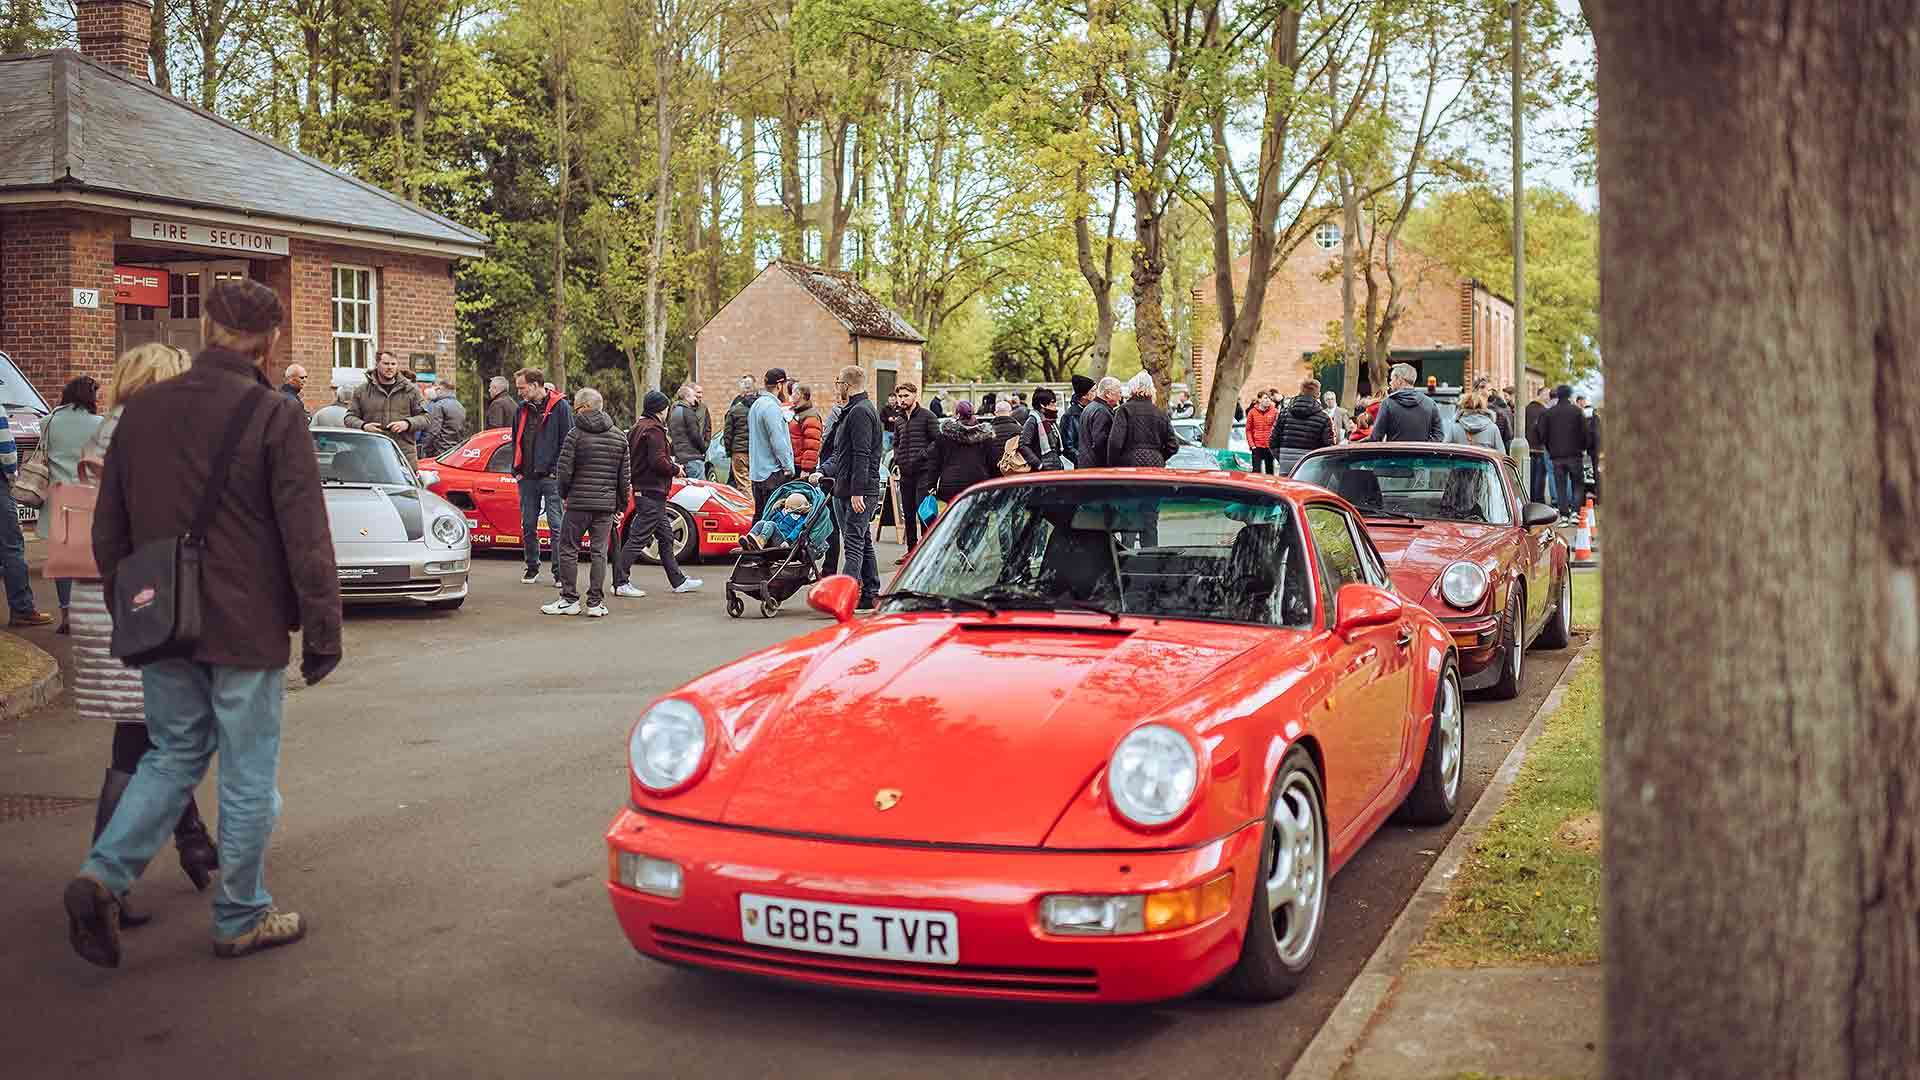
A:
121,205
1454,328
811,322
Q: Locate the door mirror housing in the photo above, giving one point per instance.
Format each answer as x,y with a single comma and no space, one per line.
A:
835,596
1360,606
1538,514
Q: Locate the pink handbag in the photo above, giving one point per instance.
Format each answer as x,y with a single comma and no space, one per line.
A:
69,514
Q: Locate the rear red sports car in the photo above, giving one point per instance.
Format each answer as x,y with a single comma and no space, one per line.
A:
477,476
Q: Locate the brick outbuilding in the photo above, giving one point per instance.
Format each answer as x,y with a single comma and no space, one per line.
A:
811,322
1454,328
121,205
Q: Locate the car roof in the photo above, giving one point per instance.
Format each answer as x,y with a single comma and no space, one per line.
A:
1447,449
1259,483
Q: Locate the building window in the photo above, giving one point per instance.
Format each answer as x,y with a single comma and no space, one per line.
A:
354,317
183,296
1327,235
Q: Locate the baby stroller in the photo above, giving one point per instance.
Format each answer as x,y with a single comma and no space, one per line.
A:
772,575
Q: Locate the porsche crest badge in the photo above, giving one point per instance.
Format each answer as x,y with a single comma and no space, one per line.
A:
753,916
363,532
886,798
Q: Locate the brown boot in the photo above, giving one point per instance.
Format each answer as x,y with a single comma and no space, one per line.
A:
275,928
93,922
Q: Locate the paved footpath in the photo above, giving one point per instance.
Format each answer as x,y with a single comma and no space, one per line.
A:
446,792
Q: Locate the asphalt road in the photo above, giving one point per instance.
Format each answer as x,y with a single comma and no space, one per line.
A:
445,794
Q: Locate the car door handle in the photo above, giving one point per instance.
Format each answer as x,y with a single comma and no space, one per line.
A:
1405,639
486,491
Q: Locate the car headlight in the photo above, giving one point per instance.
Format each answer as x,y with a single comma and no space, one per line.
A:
668,745
1153,775
1463,585
449,530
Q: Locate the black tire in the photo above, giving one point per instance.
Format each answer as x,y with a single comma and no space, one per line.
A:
683,527
1268,969
1558,632
1513,646
769,608
1436,794
447,605
736,607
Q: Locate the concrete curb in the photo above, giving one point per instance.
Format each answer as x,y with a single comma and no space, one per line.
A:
1327,1054
40,691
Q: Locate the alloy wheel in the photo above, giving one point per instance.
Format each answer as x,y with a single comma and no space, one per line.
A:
1450,721
1296,874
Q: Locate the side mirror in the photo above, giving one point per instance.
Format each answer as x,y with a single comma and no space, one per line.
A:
835,596
1358,607
1538,514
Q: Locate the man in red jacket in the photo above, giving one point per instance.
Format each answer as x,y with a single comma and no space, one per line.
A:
1260,421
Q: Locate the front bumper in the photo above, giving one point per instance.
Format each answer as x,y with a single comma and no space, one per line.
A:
1478,642
398,573
994,894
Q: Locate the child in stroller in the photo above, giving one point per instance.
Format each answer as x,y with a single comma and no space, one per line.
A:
781,554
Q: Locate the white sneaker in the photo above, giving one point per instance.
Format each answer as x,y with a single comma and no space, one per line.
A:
597,611
556,583
630,591
562,606
691,584
531,577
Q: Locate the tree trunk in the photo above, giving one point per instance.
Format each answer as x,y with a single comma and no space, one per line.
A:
662,197
396,52
1150,330
312,126
749,191
557,329
1759,196
1349,250
157,47
1099,277
793,192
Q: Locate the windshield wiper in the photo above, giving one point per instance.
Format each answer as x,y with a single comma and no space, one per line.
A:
1058,603
942,599
1381,511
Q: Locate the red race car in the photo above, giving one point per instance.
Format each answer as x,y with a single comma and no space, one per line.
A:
477,476
1461,538
1106,739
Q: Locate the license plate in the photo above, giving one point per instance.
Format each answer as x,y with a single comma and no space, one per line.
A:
375,573
877,933
27,515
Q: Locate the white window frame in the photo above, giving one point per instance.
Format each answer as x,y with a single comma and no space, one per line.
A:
372,304
1331,231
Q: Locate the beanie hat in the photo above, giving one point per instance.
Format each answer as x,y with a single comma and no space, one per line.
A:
244,305
1081,385
654,403
964,410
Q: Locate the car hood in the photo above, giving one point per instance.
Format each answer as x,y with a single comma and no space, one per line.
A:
987,728
1415,557
380,515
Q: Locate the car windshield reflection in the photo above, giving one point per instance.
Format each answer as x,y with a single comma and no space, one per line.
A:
1178,551
1429,487
354,458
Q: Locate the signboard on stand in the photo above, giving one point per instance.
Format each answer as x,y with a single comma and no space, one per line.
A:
423,365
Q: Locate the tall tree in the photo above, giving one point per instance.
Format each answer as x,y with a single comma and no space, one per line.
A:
1759,194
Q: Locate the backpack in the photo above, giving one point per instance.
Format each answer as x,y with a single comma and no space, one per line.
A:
1011,462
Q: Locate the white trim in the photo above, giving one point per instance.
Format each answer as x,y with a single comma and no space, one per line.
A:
372,302
335,234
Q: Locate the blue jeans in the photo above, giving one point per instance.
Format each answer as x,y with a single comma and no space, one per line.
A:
194,710
13,557
1568,479
535,497
696,468
856,530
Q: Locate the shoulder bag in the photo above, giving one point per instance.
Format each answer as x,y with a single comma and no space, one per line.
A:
156,589
35,475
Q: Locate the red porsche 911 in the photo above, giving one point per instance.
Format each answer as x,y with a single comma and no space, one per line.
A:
477,476
1461,538
1107,738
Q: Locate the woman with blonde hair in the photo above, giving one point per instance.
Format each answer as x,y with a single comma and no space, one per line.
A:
1476,425
104,688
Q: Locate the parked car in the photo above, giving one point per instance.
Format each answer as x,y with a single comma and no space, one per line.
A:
1236,454
25,410
392,538
1460,537
477,476
1204,698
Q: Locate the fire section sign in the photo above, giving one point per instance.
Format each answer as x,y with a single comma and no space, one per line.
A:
211,234
144,286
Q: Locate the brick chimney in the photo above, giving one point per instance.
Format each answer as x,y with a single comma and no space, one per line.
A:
116,33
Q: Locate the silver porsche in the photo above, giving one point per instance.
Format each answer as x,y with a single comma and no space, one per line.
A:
394,540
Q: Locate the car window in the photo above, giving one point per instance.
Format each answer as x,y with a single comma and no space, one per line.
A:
1184,551
1514,483
502,459
1370,562
1431,486
1339,556
359,458
15,391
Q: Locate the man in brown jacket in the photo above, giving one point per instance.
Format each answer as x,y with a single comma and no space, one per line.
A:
269,570
391,404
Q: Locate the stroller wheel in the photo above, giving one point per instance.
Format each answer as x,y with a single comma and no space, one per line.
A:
769,607
735,606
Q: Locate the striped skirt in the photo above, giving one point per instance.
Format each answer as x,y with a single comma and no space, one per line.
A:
103,688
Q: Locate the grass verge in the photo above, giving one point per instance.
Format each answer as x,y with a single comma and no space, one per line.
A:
1586,600
1529,889
21,664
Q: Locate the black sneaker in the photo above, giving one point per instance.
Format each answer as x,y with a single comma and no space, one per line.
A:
531,577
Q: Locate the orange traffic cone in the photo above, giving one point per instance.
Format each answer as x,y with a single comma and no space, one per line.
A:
1583,538
1593,523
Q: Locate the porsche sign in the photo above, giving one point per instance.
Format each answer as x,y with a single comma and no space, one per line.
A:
141,285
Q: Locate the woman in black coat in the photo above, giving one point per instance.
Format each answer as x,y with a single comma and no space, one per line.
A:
1142,435
963,453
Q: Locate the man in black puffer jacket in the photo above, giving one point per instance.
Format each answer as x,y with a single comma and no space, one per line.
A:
1564,430
910,444
733,435
595,481
1303,425
1407,414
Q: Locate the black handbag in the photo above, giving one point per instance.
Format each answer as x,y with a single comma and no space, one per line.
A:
156,588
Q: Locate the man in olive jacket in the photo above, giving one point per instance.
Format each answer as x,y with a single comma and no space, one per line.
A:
391,404
269,570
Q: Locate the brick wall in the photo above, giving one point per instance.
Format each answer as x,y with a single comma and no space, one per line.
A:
414,309
116,32
904,356
44,256
1304,298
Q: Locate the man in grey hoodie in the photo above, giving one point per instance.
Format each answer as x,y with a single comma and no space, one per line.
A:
1407,414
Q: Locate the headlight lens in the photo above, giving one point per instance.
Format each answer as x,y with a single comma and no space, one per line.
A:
1463,585
1153,775
449,530
668,745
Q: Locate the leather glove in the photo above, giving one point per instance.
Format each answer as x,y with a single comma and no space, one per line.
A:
315,666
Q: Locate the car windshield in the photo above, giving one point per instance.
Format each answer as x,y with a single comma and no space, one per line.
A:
15,391
1180,551
1193,433
1441,487
349,457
